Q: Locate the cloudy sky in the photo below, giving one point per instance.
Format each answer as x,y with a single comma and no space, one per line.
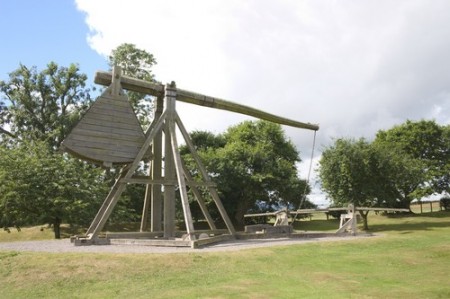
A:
353,67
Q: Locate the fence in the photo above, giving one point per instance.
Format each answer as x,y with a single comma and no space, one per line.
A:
426,206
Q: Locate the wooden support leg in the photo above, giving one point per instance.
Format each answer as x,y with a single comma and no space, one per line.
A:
213,191
181,181
147,202
117,188
200,200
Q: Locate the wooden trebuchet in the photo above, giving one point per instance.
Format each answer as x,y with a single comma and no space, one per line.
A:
156,89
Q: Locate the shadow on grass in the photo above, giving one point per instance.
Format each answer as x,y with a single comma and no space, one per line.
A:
414,222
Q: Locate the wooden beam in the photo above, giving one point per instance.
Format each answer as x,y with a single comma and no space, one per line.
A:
146,180
152,88
186,96
381,209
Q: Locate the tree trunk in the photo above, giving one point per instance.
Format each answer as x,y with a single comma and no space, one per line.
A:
57,227
364,218
241,209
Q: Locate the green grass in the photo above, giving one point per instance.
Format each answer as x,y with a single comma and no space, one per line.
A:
409,258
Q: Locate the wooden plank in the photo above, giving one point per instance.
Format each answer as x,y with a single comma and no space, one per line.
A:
165,181
152,242
112,145
112,111
94,135
381,209
101,154
108,130
207,231
162,181
110,121
129,235
210,240
120,147
121,100
114,139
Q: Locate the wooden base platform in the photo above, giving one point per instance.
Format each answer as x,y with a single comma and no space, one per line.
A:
150,239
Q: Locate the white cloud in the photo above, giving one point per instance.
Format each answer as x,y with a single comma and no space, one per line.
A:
354,67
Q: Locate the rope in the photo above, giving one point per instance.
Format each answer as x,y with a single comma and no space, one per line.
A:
308,176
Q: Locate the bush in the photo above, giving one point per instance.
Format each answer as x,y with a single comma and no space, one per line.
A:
445,203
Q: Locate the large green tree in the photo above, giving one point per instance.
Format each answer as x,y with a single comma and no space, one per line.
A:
404,163
253,164
42,105
426,144
354,171
41,186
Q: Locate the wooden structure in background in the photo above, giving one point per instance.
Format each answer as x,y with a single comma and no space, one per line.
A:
108,134
348,221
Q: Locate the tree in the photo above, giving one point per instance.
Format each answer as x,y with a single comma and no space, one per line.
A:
41,186
252,163
353,171
43,105
133,61
427,144
136,63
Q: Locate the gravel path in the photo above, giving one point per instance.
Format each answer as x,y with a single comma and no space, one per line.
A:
62,246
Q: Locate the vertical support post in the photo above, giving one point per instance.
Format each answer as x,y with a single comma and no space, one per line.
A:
115,80
156,204
352,209
171,119
169,169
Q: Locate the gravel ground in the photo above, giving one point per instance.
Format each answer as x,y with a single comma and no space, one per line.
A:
62,246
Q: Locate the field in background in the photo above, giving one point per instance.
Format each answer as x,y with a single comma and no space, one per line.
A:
409,258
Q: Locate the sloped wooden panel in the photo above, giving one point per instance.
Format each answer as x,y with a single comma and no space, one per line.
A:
108,133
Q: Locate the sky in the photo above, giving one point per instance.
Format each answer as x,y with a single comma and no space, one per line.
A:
354,66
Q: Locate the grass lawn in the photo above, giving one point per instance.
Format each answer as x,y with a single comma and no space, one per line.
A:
410,258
